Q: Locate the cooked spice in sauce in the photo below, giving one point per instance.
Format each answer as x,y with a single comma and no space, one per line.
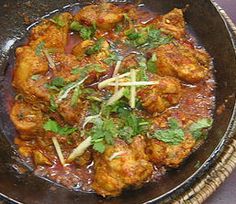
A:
110,97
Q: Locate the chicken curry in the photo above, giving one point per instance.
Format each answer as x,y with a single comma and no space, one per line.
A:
110,96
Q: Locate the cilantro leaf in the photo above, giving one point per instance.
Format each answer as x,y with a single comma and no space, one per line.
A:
99,147
118,28
35,77
174,135
151,64
56,84
196,129
95,48
75,96
86,32
39,48
171,136
53,126
53,106
58,21
147,37
112,57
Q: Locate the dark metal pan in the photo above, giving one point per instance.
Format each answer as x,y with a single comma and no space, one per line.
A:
209,28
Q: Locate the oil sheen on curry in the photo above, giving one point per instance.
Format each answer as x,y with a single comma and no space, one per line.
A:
110,97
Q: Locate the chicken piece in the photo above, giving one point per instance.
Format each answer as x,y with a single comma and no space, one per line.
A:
182,61
53,33
27,65
157,98
169,155
104,15
74,114
40,158
171,23
120,166
129,62
26,119
80,49
25,151
100,49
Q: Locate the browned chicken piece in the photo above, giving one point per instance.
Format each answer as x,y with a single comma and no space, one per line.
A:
26,119
25,151
72,114
129,62
104,15
171,23
157,98
80,50
169,155
28,65
120,166
40,158
52,33
183,61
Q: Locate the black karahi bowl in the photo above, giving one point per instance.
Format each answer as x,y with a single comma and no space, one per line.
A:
204,22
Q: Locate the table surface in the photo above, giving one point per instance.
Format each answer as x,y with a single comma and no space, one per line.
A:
226,193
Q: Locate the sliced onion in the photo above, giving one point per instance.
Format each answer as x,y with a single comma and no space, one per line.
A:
58,150
78,151
116,96
132,89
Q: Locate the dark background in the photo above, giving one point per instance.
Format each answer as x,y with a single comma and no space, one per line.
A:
226,194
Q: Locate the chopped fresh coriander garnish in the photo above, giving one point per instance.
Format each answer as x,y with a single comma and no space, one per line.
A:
53,126
35,77
69,87
56,84
58,21
75,96
39,48
148,37
99,147
142,75
53,106
196,129
83,71
86,32
75,71
118,28
151,64
95,48
75,26
127,18
174,135
113,57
